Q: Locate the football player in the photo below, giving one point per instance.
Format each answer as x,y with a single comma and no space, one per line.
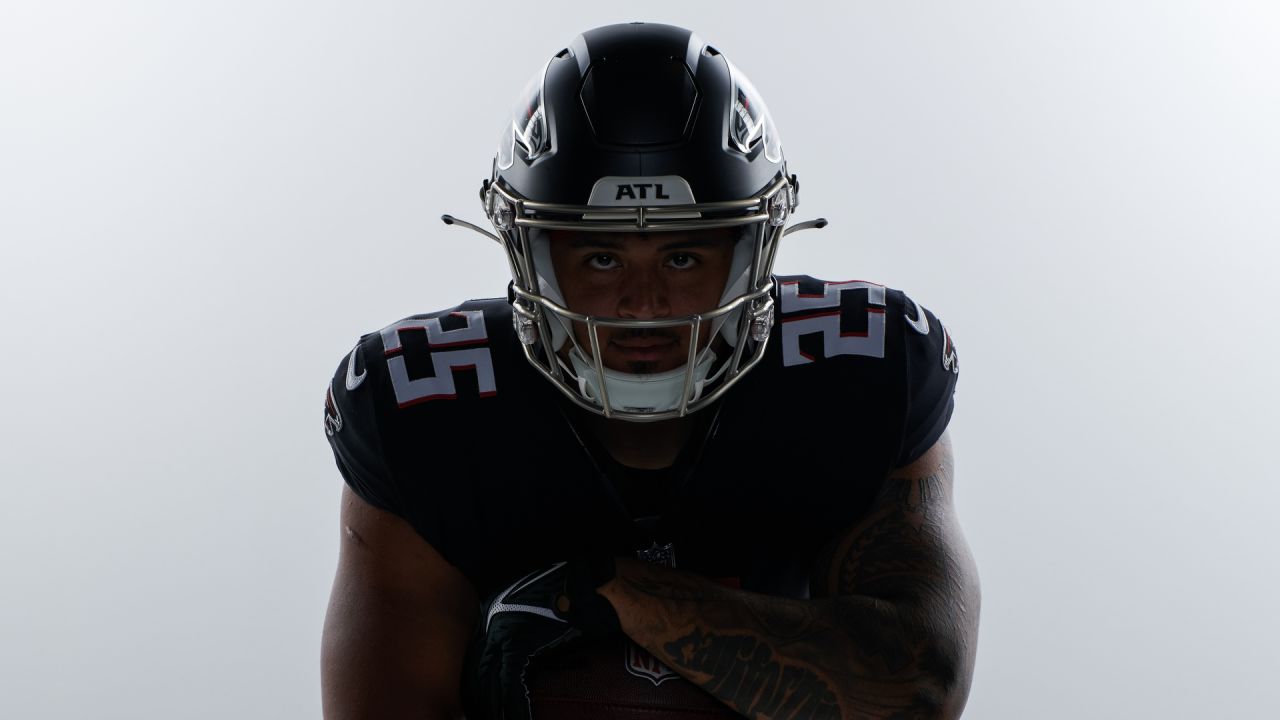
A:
651,434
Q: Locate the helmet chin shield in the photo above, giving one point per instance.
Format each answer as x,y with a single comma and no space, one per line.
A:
640,128
639,392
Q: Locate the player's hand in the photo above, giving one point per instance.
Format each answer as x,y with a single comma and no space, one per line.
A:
542,611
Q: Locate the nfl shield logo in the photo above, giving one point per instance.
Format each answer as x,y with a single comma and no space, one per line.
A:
663,555
643,664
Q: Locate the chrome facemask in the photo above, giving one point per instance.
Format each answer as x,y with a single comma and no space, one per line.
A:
743,319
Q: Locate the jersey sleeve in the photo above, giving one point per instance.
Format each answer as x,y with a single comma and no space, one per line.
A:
932,369
352,427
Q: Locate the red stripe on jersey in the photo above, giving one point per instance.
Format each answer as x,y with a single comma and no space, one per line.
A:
461,343
426,398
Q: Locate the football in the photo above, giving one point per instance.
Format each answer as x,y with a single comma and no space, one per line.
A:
614,679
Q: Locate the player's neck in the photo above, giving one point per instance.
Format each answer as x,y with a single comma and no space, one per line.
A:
645,446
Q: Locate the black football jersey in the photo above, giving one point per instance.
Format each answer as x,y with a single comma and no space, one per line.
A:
440,419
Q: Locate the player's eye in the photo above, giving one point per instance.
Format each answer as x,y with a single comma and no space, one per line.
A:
682,261
602,262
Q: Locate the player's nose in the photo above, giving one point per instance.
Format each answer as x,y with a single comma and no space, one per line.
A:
643,295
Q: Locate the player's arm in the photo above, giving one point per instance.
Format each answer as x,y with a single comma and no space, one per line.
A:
398,623
891,631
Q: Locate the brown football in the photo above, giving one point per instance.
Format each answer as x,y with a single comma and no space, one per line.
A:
614,679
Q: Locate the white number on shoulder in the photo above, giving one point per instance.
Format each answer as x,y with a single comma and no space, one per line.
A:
825,313
470,352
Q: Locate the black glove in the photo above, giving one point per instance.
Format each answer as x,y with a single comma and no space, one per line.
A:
541,611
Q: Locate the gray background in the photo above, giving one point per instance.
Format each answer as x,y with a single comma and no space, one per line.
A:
203,205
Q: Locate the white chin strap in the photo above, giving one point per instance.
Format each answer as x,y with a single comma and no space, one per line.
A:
645,392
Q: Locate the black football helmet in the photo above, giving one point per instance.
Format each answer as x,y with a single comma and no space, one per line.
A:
641,128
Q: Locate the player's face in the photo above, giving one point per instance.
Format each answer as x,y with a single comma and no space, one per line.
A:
642,276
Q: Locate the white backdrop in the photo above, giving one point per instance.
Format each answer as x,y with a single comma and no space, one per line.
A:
202,205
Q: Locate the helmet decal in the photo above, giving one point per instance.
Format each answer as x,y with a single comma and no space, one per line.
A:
528,129
751,124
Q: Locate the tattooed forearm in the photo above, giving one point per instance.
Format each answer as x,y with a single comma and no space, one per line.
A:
745,672
888,632
771,657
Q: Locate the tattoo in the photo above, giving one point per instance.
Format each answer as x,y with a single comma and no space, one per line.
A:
767,657
786,622
669,589
744,672
895,553
881,561
888,633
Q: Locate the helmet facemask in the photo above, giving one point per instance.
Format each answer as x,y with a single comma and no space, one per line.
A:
724,341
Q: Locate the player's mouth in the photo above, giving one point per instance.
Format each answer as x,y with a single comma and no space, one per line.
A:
644,353
642,346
